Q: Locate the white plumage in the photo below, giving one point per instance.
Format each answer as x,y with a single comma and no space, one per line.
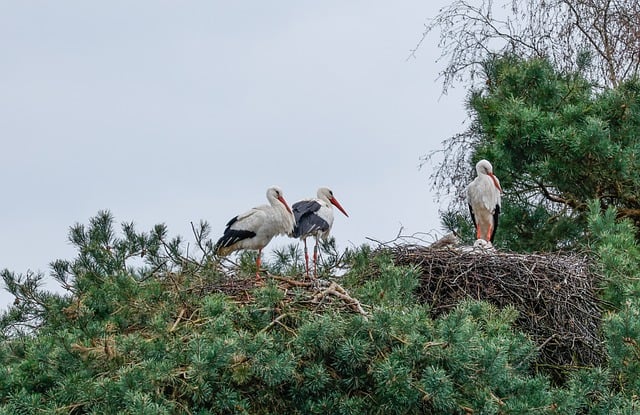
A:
255,228
483,197
314,217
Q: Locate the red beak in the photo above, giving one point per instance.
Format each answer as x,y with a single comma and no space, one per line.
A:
495,181
335,203
284,202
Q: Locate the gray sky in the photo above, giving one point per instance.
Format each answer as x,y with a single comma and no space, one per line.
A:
166,111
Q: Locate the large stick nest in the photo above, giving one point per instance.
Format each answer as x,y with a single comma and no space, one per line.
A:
555,294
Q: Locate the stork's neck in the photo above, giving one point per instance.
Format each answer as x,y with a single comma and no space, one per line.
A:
273,201
287,219
324,199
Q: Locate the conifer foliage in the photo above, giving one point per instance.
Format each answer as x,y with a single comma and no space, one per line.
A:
150,325
147,328
556,142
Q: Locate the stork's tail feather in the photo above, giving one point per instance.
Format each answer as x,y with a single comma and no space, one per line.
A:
223,251
296,232
221,247
226,244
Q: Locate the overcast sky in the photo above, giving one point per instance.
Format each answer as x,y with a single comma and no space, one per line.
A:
173,112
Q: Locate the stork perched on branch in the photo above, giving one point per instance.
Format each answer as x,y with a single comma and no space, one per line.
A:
314,217
483,197
255,228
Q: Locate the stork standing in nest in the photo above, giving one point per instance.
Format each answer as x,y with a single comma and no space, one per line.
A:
483,197
314,217
255,228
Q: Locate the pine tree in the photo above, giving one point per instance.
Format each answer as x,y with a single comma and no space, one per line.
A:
181,334
556,143
163,337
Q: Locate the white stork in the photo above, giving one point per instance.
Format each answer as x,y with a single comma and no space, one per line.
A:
483,196
314,217
255,228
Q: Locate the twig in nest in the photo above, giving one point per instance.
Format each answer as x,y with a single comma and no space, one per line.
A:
401,239
336,290
290,281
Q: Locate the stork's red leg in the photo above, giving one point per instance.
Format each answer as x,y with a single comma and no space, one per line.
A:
306,257
478,232
315,259
258,264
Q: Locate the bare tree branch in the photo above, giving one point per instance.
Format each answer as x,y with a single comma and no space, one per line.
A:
563,31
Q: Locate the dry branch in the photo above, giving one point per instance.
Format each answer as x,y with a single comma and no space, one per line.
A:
338,291
315,292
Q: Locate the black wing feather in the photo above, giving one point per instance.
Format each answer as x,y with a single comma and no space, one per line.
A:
473,217
304,207
496,214
309,224
306,219
232,221
231,236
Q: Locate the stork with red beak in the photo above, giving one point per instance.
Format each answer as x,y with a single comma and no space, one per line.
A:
255,228
483,196
314,217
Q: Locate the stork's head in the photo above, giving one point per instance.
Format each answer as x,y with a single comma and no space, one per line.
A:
325,193
275,195
484,167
